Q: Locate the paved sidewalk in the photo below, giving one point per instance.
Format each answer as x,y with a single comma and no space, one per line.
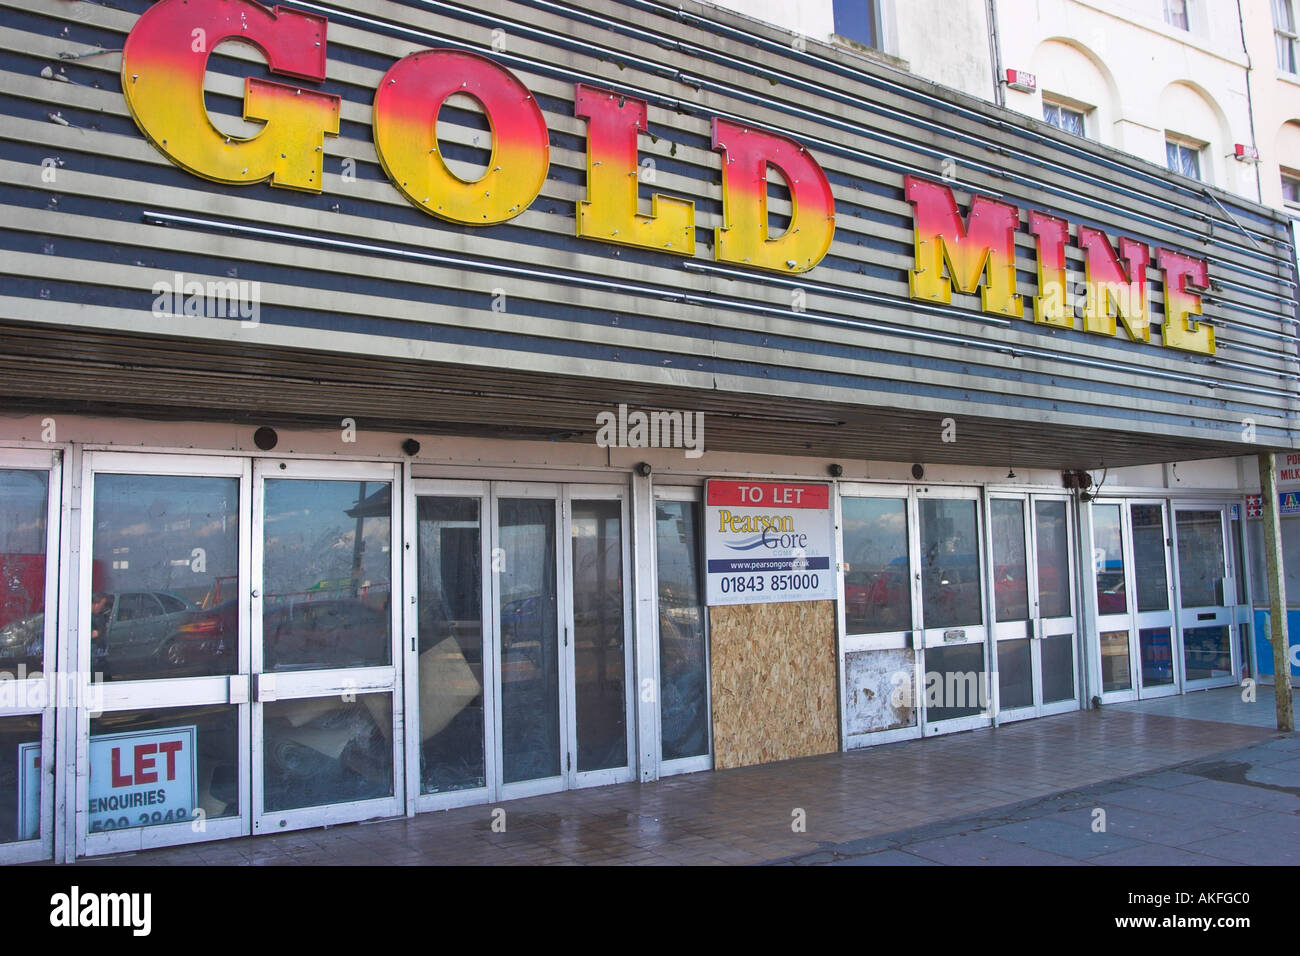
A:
1022,793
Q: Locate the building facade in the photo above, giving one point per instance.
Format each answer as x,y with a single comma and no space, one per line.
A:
410,406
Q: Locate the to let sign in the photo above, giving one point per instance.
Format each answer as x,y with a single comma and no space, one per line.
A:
768,542
142,779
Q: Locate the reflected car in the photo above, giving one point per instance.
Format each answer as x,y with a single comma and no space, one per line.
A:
23,642
139,628
325,634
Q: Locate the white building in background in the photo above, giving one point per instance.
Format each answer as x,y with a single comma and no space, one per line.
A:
1195,85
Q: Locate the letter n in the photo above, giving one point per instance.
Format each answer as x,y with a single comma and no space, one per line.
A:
978,254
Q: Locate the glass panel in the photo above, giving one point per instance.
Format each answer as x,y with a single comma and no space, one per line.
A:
1058,667
950,563
1015,675
154,767
530,647
1201,566
856,20
327,577
325,750
450,560
1149,568
600,678
1290,561
1010,564
683,653
1155,644
1108,559
22,571
172,539
955,682
20,778
1207,652
877,586
1052,538
1115,661
1237,531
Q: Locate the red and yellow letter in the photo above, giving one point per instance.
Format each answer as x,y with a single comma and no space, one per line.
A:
1115,287
613,173
986,243
407,104
1052,304
743,238
164,63
1179,332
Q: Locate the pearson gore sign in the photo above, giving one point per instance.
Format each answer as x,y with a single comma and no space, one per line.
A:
142,779
767,542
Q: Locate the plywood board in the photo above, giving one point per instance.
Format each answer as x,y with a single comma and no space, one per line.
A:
774,682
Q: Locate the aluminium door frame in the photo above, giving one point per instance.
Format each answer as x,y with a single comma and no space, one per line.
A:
1225,614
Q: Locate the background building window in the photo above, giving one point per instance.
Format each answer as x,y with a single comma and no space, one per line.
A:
1284,33
1291,187
1183,158
1065,117
1176,14
858,20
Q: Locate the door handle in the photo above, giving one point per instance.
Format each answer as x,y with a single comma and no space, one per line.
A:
239,689
265,688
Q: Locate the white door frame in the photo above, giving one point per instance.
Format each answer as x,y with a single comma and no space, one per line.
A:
43,695
286,685
231,690
1208,615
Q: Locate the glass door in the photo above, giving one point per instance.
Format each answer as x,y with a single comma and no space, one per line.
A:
955,691
1206,595
163,729
325,640
880,659
1034,623
30,483
1158,670
451,743
598,658
685,722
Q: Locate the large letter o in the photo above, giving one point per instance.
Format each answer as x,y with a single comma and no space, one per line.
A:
407,104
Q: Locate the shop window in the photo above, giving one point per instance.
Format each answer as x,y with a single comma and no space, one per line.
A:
858,20
1291,187
683,648
1183,157
1290,561
1176,14
1284,35
22,571
1064,117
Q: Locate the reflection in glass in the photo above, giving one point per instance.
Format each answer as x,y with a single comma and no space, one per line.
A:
326,750
1207,652
1201,564
1155,645
22,570
600,681
20,778
1058,667
950,563
327,574
877,586
955,682
1108,559
201,774
1015,675
450,561
1010,565
1115,661
1052,536
165,576
683,653
1149,572
530,647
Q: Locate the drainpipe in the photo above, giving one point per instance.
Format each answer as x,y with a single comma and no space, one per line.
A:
995,51
1250,98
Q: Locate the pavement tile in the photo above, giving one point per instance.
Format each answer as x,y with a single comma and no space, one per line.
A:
1066,839
980,849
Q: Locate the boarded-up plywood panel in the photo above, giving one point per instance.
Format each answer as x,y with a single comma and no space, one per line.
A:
774,677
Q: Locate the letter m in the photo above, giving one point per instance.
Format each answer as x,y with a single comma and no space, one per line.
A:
978,254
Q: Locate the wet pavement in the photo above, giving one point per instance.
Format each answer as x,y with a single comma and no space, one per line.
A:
1212,784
